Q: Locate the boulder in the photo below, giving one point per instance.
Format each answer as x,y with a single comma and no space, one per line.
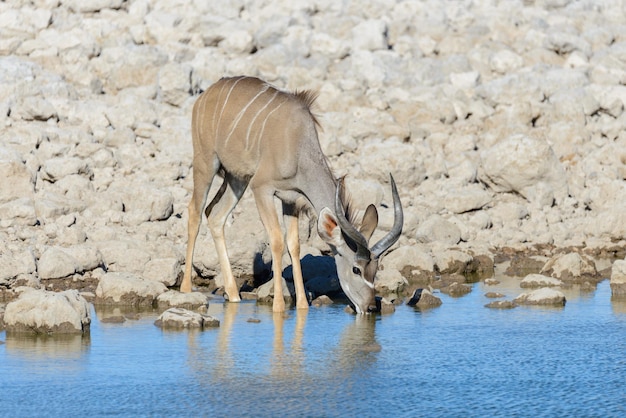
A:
412,262
164,270
501,304
571,267
542,296
43,312
178,318
321,301
436,228
423,299
265,292
18,182
389,281
525,165
539,280
453,262
173,298
55,263
14,264
127,289
618,278
174,83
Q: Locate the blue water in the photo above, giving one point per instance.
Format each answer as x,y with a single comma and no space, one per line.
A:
460,359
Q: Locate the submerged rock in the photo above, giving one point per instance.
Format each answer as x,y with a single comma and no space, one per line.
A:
501,304
543,296
179,318
539,280
423,298
173,298
44,312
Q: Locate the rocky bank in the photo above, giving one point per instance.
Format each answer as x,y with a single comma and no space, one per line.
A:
503,123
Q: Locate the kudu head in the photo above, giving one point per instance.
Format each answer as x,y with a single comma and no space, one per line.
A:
357,262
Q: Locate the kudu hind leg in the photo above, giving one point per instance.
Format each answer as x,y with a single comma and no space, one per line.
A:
201,185
293,246
217,212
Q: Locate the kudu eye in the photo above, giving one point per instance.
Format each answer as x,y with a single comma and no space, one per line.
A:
356,270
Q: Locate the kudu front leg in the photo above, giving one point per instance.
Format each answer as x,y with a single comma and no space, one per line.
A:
269,217
293,245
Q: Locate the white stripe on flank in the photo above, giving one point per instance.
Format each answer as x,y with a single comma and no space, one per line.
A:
219,122
256,116
217,100
243,111
260,137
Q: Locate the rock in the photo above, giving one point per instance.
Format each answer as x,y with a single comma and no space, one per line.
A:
389,281
413,263
385,307
55,263
456,289
43,312
14,264
467,199
423,299
321,301
571,267
18,180
436,228
174,83
370,35
618,278
453,261
527,166
501,304
265,292
127,289
539,280
20,211
542,296
164,270
178,318
173,298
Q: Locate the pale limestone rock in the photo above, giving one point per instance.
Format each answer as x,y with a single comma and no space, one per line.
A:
55,263
173,298
43,312
164,270
618,278
542,296
525,165
370,35
436,228
539,280
389,281
571,267
178,318
127,289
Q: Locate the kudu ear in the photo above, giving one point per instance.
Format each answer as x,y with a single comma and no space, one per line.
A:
370,222
328,227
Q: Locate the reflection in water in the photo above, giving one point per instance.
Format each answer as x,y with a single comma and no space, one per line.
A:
357,349
288,365
47,348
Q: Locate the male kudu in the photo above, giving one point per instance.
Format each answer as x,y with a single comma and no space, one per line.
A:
250,133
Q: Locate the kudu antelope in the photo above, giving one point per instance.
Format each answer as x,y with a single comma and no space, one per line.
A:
250,133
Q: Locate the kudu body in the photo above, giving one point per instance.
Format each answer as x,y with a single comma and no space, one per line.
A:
252,134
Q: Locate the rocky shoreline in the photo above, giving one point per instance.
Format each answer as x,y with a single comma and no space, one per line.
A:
502,122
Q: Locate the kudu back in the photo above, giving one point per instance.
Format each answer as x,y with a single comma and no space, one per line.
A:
252,134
